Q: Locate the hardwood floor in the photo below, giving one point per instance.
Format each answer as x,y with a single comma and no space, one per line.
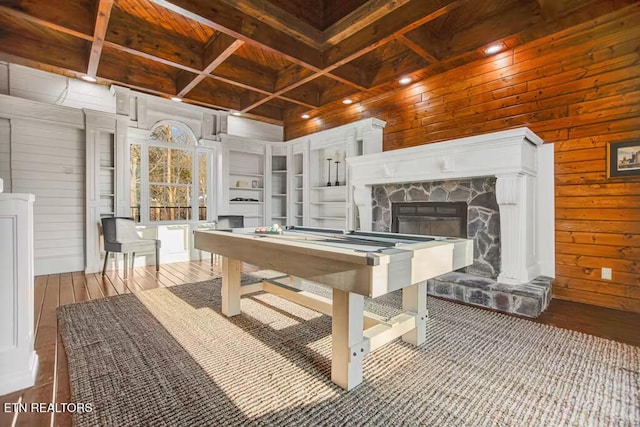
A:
52,383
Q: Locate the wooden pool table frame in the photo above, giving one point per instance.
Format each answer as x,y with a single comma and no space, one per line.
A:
352,274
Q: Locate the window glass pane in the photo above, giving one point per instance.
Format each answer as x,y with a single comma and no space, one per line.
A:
170,184
171,133
135,182
170,166
183,162
202,183
169,202
158,168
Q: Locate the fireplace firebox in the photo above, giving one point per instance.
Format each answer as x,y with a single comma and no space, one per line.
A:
430,218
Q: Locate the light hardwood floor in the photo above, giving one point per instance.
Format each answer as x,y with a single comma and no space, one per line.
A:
52,383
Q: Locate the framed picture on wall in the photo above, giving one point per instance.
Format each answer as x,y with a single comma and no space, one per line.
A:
623,159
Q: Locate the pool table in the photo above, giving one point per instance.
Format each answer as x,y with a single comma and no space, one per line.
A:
355,264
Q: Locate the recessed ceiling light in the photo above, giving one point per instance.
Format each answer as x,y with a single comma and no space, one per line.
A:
405,80
176,99
347,101
237,113
494,48
305,116
88,78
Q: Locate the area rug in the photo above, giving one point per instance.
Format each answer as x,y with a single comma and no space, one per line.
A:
168,357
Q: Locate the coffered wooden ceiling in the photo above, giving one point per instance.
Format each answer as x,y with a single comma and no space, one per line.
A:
273,59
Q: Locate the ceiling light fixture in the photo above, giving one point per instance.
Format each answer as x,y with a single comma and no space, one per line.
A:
405,80
88,78
305,116
347,101
176,99
494,48
237,113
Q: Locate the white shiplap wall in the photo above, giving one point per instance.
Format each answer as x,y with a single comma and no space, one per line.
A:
5,153
48,160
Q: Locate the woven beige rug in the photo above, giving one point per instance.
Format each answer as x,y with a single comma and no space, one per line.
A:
167,357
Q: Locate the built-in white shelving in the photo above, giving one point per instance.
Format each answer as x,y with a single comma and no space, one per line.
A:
278,185
297,182
246,186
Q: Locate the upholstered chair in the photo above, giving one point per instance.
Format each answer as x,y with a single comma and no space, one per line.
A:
120,235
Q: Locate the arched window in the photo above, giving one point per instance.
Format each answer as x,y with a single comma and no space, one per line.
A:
168,176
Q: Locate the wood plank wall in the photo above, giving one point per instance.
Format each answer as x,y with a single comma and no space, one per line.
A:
579,89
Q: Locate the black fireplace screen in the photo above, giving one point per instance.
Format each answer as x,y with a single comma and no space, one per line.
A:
430,218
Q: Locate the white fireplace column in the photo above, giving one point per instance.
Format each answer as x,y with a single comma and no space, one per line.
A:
514,194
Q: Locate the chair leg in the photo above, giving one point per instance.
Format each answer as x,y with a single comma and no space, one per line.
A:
126,264
157,258
133,260
104,266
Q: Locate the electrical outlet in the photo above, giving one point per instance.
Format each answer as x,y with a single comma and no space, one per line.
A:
606,273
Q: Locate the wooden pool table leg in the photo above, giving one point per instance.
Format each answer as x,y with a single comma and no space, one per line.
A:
346,326
231,291
414,299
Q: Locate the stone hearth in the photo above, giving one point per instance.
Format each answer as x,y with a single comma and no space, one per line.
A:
528,300
510,173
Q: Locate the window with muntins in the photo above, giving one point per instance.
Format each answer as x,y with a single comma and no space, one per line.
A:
169,176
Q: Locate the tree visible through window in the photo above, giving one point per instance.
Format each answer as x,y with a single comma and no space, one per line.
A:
171,170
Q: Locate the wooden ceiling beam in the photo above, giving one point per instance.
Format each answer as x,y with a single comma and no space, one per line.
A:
417,48
555,8
282,91
291,74
249,98
141,74
390,27
296,101
239,84
141,54
359,19
270,111
280,20
57,55
21,15
218,49
353,73
137,34
248,72
219,16
99,32
221,47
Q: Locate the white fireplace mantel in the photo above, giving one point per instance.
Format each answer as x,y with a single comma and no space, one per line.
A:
524,169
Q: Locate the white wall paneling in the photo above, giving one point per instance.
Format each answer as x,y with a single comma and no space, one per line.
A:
242,127
48,160
18,359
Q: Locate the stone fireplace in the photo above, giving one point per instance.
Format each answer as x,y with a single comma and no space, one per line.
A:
506,181
471,202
